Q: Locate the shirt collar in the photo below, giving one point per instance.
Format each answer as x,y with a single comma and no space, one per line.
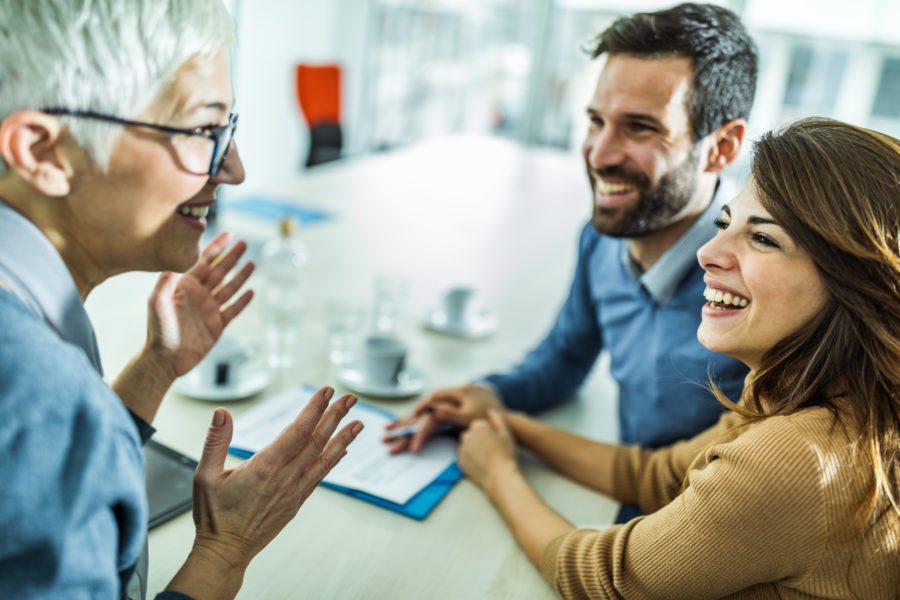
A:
662,279
34,272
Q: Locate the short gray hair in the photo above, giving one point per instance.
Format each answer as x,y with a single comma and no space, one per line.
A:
109,56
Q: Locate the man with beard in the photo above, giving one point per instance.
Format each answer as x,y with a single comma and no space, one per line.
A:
667,117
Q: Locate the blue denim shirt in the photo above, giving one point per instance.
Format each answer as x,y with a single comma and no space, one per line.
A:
648,323
42,287
74,513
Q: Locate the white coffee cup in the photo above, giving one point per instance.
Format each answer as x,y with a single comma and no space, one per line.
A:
383,360
223,365
459,305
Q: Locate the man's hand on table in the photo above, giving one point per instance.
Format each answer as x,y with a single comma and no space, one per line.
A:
237,512
457,405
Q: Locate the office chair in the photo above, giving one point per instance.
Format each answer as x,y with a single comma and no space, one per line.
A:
319,96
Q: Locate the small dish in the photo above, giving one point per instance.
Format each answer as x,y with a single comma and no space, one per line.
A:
480,324
251,382
410,382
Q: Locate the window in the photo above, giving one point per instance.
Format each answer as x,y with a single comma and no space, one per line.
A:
814,79
437,67
887,97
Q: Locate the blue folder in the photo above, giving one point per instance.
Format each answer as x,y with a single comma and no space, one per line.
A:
418,507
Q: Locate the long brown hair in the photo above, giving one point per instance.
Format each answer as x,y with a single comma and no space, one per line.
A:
835,189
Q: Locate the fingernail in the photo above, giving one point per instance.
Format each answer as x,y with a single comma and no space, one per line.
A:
218,417
351,401
329,392
357,428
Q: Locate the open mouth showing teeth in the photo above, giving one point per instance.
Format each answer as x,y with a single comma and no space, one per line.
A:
611,189
194,212
720,299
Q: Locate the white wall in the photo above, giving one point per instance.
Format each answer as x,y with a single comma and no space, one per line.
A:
860,21
273,36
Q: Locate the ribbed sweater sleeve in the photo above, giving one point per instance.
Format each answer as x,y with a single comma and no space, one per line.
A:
740,522
652,478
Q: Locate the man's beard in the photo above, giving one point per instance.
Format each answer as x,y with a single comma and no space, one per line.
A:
656,206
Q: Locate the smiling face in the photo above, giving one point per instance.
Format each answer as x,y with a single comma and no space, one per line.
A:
760,286
142,213
641,160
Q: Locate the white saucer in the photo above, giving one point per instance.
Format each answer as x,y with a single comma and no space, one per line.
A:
411,383
479,325
252,381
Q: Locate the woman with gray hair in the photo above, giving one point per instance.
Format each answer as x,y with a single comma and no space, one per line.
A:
115,132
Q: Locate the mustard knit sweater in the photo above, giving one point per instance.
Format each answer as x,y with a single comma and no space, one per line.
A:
766,514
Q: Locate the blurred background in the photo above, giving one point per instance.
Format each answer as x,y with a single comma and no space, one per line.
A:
400,71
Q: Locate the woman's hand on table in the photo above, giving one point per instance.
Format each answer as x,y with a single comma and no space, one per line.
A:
487,451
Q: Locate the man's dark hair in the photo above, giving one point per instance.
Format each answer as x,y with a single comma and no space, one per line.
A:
722,54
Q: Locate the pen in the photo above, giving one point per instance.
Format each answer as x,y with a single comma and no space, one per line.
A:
413,429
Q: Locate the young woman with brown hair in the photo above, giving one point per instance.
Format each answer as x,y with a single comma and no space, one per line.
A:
796,492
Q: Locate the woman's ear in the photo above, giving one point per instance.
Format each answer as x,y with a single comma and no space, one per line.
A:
726,145
31,144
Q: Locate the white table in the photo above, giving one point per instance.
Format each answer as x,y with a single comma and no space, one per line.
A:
475,210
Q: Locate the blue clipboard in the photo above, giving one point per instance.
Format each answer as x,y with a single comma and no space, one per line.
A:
418,507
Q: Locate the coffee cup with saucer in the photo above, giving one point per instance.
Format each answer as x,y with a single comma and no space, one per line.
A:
231,370
381,370
460,314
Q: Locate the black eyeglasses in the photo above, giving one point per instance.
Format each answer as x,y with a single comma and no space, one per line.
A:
191,145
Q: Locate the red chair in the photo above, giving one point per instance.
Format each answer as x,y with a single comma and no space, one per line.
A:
319,96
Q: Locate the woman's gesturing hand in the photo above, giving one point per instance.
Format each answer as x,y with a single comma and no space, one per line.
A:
238,511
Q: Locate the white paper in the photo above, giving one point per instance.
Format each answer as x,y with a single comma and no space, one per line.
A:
368,467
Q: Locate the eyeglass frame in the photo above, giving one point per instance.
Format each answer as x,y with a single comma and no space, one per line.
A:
215,135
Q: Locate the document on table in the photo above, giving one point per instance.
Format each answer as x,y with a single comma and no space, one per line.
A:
368,467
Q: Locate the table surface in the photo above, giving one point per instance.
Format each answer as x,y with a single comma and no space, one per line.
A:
472,210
